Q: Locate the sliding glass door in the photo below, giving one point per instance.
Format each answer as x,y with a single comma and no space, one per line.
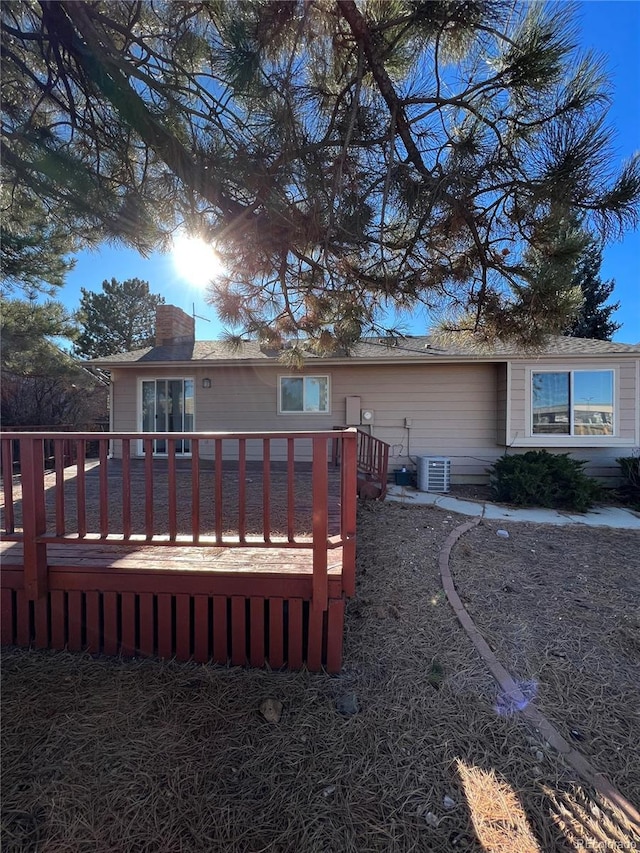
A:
168,406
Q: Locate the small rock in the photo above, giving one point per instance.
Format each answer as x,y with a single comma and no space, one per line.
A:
329,791
449,803
539,755
431,819
576,734
271,710
502,533
347,704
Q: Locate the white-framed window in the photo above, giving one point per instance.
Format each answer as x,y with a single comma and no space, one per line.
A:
303,395
573,403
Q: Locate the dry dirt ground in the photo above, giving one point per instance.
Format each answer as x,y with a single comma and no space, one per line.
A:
111,757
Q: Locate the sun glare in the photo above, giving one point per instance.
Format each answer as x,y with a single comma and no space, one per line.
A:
194,260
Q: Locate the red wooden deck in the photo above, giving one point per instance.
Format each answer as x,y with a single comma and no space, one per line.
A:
185,558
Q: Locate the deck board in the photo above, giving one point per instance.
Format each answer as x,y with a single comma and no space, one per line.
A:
245,560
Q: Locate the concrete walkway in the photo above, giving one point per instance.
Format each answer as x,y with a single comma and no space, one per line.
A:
600,516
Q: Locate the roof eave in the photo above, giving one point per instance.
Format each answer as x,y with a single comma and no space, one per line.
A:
430,358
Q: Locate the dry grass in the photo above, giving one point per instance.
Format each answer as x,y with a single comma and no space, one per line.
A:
562,612
104,755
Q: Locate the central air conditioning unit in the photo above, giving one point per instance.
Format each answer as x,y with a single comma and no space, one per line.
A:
434,473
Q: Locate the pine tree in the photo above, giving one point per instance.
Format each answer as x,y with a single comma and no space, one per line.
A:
594,318
345,158
41,385
34,249
119,319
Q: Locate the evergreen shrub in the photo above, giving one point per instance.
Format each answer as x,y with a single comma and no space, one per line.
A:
539,478
630,489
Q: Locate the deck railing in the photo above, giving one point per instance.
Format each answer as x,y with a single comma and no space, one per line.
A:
372,458
231,490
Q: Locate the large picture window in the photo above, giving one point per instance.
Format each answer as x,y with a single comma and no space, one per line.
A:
307,394
572,402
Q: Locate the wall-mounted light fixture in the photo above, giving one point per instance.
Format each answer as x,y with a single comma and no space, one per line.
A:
206,383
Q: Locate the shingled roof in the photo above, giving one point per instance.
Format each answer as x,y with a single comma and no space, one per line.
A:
397,349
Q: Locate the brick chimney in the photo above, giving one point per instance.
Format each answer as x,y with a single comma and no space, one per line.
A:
173,326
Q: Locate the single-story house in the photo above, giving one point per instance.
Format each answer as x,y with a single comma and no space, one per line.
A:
575,396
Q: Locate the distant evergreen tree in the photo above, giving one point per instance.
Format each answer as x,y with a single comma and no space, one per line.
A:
594,318
120,319
40,384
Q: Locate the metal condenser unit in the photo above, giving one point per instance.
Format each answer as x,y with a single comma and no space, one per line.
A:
434,473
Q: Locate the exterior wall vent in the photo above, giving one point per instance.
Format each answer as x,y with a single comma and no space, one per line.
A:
434,473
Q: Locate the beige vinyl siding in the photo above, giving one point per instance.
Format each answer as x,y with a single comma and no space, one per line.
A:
501,403
240,399
125,403
452,407
463,411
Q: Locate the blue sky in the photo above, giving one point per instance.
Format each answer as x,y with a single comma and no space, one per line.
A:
611,27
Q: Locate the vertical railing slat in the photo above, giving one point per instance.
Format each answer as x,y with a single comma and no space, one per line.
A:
383,470
172,487
59,454
218,489
348,488
242,489
126,488
81,488
148,487
195,490
291,489
103,447
7,484
266,489
320,522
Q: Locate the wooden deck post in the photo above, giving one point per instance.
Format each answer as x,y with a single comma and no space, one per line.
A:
320,524
34,519
349,489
